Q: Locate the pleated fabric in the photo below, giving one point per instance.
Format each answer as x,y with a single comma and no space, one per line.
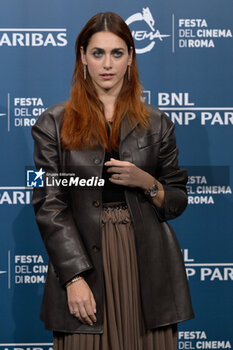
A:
124,327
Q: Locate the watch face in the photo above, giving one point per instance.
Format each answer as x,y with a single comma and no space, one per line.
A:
153,192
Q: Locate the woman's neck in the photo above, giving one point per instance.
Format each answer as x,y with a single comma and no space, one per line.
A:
108,98
108,101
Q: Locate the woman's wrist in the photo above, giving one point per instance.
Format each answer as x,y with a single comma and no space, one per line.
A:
158,200
154,191
75,279
148,182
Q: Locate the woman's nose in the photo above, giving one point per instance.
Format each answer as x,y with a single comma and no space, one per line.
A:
107,62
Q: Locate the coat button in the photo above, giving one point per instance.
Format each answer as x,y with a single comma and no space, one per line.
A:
96,204
126,155
97,161
95,248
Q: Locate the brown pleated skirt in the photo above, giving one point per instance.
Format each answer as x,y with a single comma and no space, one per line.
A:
124,327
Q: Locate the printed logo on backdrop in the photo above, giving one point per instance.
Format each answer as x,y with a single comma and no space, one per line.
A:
183,111
145,33
207,183
204,272
21,111
33,37
15,195
26,346
207,271
23,269
199,339
186,32
5,273
146,96
198,33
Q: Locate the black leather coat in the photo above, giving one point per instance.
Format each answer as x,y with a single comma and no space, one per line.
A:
70,222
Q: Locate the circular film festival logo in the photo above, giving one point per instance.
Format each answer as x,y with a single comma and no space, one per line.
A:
146,36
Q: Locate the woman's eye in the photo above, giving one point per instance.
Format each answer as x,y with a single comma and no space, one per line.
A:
118,54
97,54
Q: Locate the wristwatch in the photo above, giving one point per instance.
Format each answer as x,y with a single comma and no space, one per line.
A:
153,191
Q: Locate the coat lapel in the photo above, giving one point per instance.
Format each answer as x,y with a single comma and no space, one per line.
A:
126,127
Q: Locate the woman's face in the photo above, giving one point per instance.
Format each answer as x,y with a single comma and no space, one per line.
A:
107,59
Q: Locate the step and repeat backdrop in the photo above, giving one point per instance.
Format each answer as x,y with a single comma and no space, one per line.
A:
185,58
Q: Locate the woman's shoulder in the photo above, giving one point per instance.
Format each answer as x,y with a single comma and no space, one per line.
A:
50,120
159,120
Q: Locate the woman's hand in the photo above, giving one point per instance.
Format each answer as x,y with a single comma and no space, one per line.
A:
128,174
81,301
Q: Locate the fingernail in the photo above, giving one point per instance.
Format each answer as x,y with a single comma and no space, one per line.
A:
91,324
95,311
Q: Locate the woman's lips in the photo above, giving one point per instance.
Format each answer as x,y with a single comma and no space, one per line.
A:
107,76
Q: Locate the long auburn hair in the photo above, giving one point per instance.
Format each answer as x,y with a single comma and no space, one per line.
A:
84,123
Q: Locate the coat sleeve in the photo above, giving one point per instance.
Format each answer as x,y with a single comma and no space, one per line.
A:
53,213
172,177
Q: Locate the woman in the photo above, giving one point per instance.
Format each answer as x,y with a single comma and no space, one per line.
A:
116,278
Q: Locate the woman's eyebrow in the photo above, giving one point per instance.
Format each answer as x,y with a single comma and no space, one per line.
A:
97,48
115,49
118,48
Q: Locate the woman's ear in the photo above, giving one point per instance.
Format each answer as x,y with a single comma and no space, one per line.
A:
83,55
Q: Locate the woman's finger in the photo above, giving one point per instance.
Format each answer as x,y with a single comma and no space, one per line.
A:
117,162
116,169
116,177
90,310
93,303
76,313
120,170
84,316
